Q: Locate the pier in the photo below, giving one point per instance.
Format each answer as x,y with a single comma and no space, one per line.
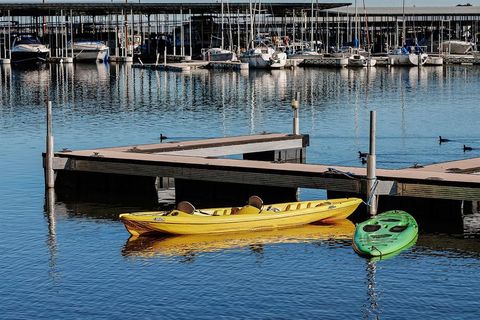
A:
272,166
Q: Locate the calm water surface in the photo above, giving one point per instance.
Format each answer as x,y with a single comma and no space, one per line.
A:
78,263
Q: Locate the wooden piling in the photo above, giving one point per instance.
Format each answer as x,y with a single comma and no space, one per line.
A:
295,106
371,166
49,174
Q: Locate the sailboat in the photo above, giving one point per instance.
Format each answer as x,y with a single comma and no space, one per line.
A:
262,53
220,53
408,55
359,58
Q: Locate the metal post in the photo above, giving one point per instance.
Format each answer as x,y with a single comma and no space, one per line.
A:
295,106
371,166
49,174
165,56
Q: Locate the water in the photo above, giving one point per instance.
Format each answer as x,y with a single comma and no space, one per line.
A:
79,263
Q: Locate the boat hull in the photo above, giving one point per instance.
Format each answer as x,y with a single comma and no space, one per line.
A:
265,61
25,54
89,51
385,234
411,59
220,220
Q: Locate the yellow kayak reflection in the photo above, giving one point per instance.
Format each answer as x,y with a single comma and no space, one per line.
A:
200,243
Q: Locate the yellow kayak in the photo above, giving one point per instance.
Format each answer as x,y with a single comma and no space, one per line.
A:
186,245
252,217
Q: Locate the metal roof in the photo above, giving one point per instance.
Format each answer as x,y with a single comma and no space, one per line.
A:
412,11
99,9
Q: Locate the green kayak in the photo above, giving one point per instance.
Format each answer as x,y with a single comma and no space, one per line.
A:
385,233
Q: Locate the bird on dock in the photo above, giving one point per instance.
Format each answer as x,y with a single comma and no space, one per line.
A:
441,140
467,148
362,154
162,137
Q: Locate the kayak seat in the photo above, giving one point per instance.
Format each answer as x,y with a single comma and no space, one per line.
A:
299,206
234,210
309,205
371,227
255,201
186,207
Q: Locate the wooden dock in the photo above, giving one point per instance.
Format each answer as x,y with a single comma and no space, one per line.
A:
275,165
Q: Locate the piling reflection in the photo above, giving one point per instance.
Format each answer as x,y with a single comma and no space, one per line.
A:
372,309
49,208
191,245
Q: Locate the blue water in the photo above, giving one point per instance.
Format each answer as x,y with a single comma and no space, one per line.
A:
78,263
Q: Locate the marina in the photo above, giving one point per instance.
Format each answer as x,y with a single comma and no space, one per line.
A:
169,180
317,34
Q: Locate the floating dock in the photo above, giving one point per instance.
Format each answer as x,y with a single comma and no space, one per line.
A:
272,166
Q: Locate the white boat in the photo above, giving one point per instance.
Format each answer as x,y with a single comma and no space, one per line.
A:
358,60
456,47
87,50
218,54
401,57
264,57
306,53
28,49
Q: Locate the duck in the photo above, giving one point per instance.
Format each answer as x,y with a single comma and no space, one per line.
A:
467,148
162,137
440,139
363,160
362,154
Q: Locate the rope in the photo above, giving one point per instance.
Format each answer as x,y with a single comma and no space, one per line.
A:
345,173
372,193
352,176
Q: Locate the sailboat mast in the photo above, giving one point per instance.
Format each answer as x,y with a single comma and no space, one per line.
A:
356,42
403,24
222,26
311,29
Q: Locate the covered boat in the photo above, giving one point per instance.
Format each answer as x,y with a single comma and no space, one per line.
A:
255,216
89,50
28,49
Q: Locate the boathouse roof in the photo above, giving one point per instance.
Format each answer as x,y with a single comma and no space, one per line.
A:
412,11
99,9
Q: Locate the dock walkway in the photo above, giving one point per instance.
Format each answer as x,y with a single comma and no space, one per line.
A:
199,160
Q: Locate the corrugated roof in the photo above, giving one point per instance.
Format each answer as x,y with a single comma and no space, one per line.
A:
422,11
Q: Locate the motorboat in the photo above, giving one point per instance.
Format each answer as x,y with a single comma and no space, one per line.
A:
219,54
456,47
28,49
255,216
89,50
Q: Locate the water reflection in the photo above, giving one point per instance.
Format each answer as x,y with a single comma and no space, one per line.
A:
372,310
52,232
192,245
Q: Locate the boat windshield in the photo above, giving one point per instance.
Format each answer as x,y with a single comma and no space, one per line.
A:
27,40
